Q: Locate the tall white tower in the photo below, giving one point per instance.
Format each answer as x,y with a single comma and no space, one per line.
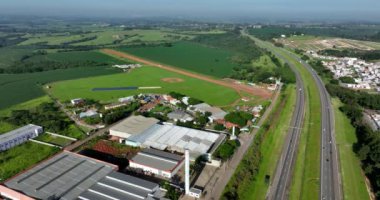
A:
233,136
187,172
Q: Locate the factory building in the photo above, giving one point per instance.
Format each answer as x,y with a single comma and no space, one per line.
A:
19,136
157,162
69,176
139,131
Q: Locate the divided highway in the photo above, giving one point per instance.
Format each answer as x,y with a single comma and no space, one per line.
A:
330,183
284,171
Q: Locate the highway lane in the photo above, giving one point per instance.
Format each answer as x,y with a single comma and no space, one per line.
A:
284,171
279,188
330,183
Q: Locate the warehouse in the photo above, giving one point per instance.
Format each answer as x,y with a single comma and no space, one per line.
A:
70,176
157,162
131,126
19,136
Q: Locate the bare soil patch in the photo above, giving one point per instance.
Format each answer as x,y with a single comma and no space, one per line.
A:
172,80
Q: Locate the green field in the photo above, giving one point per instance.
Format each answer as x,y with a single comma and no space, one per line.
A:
77,56
25,105
10,55
51,39
189,56
18,88
54,140
22,157
353,178
271,147
145,76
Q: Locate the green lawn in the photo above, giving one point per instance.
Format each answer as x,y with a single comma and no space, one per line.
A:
352,176
22,157
10,55
19,88
272,146
6,127
145,76
189,56
25,105
54,140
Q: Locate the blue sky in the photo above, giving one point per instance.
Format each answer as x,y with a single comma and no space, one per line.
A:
224,9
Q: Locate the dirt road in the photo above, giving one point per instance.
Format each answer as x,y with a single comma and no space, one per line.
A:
260,92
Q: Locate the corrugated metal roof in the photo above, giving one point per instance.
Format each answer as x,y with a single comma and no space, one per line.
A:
19,132
134,125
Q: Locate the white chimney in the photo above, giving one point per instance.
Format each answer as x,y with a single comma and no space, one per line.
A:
187,172
233,136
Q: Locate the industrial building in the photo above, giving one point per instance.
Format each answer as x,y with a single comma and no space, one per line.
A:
131,126
19,136
145,132
69,176
216,113
157,162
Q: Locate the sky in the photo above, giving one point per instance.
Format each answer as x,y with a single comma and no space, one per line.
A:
368,10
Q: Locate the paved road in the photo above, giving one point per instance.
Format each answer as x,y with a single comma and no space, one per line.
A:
330,183
279,188
219,180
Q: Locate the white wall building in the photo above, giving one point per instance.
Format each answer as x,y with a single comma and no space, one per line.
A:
19,136
157,162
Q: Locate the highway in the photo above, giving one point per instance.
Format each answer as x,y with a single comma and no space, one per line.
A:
330,182
284,170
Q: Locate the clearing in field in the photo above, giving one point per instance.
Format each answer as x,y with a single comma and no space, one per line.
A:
320,43
172,80
143,77
190,56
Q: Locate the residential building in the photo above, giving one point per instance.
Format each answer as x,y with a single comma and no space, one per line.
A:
77,101
88,113
157,162
19,136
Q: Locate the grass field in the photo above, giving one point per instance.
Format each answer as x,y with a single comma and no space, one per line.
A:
77,56
105,36
54,140
10,55
272,146
5,127
145,76
19,88
352,176
22,157
25,105
189,56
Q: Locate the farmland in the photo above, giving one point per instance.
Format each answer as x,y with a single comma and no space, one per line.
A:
190,56
76,56
22,157
18,88
10,55
145,76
